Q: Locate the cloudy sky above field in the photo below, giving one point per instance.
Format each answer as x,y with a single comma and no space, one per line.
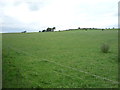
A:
35,15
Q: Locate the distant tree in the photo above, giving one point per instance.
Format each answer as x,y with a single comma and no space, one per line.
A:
53,28
113,28
39,31
48,29
24,31
43,30
78,27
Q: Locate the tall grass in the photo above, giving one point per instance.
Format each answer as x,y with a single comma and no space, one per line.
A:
105,48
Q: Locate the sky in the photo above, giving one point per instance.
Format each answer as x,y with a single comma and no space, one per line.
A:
35,15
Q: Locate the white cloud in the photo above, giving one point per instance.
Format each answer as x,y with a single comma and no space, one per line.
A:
20,12
63,14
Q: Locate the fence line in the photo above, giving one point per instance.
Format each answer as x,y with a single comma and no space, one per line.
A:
97,76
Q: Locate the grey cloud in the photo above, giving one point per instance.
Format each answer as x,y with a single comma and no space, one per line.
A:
17,3
34,6
10,20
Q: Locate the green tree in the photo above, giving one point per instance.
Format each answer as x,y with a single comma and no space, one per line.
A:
53,28
48,29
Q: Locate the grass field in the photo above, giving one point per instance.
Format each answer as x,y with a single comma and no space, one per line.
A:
68,59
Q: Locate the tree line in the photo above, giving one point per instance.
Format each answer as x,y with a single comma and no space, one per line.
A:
49,29
52,29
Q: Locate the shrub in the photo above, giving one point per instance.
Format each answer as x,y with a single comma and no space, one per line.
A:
105,48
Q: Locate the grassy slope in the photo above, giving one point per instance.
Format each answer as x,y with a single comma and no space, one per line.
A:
22,55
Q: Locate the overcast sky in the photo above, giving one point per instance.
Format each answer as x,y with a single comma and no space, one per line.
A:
35,15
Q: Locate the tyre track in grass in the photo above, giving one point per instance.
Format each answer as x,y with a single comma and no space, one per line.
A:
51,61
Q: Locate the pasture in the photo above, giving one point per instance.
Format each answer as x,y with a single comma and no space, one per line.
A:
67,59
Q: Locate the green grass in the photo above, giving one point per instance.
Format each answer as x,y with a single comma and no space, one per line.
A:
67,59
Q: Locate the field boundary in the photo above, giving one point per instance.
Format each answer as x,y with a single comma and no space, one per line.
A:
97,76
